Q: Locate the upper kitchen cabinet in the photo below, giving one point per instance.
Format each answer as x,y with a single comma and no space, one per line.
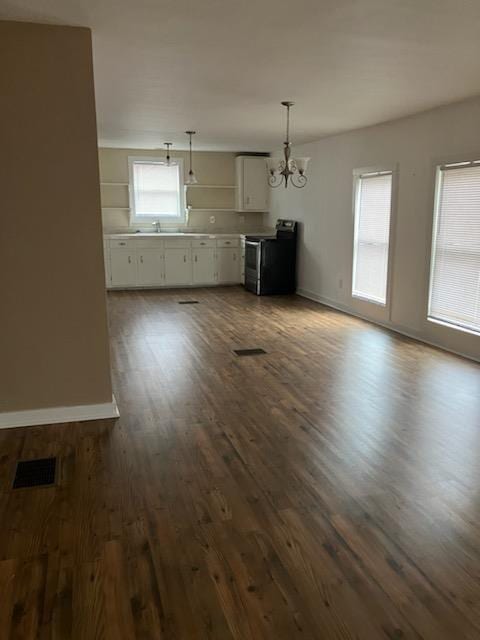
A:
252,184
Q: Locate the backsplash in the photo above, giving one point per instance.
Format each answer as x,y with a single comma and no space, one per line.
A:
198,222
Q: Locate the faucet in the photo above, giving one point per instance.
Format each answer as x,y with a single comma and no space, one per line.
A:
157,226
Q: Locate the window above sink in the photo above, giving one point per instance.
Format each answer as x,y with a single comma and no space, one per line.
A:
157,194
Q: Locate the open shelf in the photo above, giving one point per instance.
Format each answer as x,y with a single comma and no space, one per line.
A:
210,186
211,210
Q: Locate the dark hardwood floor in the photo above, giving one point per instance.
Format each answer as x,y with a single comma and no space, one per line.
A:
328,489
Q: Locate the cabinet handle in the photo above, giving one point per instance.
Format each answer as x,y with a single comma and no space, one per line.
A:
122,244
202,242
129,260
195,258
234,256
141,259
248,199
228,242
184,258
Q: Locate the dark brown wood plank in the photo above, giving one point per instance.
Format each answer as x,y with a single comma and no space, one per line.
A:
325,490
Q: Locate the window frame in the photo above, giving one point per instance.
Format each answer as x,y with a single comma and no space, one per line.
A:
357,175
473,160
146,219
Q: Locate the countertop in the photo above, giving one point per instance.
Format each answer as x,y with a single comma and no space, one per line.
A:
239,234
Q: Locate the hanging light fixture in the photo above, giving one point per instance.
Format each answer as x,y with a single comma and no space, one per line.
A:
287,170
167,157
191,175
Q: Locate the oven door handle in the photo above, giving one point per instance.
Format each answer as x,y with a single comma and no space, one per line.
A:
252,243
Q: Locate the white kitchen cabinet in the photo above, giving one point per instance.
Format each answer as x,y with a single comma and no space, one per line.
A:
252,183
203,265
150,269
123,268
228,265
106,262
178,266
149,261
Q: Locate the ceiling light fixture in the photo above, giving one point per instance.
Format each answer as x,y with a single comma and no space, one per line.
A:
167,157
191,175
287,170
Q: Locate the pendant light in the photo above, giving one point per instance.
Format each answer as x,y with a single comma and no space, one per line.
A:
167,157
287,170
191,175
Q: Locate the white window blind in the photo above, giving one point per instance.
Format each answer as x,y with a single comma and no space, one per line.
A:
156,190
373,201
455,270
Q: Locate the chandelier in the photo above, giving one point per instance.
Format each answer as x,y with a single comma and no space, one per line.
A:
287,170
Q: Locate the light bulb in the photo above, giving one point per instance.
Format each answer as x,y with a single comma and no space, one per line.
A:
192,179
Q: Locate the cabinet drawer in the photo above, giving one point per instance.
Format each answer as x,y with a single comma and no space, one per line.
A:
227,242
203,242
120,243
153,243
177,243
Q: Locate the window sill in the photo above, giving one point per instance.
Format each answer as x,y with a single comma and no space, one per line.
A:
377,303
455,327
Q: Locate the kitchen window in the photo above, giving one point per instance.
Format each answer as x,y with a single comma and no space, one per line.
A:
156,190
454,295
373,204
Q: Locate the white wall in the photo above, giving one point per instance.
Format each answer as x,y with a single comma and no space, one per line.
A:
324,207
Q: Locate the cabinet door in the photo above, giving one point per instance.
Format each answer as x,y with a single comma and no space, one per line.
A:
228,265
178,266
122,267
255,185
106,262
149,266
203,266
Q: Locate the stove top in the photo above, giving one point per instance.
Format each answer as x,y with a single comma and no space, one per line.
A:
259,238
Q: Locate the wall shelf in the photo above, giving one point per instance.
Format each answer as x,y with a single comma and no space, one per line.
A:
211,210
210,186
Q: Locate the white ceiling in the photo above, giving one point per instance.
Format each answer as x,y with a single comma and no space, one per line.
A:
223,66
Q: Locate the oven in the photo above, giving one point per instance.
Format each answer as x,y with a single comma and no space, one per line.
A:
270,260
253,261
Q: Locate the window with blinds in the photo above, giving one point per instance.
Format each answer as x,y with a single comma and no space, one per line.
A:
454,296
156,190
373,203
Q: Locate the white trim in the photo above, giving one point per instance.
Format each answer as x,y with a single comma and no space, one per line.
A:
327,302
358,176
55,415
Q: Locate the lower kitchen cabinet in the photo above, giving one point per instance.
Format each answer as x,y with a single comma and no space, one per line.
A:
150,270
228,265
203,265
136,261
123,271
178,266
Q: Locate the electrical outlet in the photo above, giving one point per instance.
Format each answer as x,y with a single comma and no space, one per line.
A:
212,219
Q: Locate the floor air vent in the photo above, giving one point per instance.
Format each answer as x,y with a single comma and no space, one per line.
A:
188,302
35,473
249,352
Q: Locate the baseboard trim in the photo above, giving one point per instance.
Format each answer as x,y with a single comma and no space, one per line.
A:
310,295
56,415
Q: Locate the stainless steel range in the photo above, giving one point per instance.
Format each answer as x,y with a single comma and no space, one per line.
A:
270,262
